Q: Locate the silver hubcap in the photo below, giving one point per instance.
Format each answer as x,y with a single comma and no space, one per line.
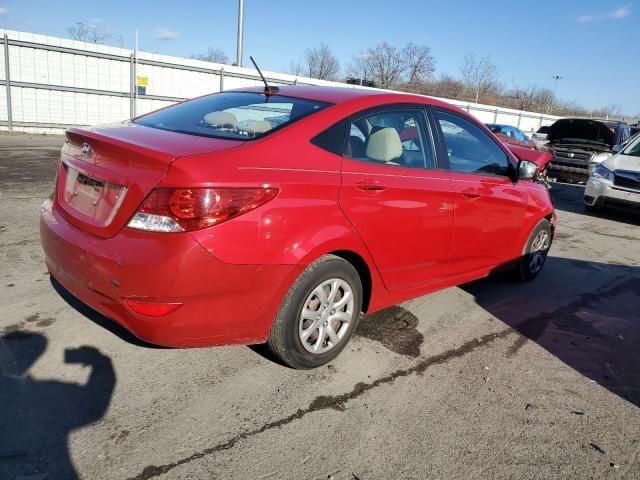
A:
538,253
326,316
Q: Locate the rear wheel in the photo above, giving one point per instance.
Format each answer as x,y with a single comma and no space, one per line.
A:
318,315
535,252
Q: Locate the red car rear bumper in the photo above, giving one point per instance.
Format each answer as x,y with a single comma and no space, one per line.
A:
222,303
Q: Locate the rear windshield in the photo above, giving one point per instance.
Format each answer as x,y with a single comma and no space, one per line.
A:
233,115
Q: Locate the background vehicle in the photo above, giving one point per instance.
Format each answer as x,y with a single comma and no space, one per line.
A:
616,181
210,223
511,135
540,136
579,144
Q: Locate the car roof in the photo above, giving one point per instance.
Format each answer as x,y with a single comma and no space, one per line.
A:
338,95
317,93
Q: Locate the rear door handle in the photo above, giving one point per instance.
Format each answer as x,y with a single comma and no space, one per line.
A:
470,194
370,186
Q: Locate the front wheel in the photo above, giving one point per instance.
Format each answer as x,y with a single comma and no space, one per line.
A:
535,252
318,315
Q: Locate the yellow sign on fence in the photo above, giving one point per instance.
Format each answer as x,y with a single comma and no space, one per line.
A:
143,81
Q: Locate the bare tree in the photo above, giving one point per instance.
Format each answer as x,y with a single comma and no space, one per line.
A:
296,68
321,63
214,55
480,76
610,111
87,32
419,63
385,64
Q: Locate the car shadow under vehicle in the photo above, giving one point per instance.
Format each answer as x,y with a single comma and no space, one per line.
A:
587,314
97,318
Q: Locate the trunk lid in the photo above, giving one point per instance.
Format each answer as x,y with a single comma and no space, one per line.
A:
106,172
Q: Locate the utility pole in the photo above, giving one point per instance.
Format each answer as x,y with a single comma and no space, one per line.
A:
240,32
555,88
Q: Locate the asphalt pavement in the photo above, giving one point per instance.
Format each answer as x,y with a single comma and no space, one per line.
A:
487,380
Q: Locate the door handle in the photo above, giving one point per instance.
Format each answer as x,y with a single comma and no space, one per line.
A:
470,194
370,186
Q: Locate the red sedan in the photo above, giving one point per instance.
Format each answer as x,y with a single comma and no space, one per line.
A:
279,216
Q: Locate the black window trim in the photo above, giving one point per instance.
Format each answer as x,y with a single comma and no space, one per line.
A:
402,106
442,150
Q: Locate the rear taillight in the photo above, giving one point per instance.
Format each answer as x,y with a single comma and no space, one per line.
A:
186,209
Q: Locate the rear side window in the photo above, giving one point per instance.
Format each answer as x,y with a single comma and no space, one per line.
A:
332,139
234,115
469,148
391,137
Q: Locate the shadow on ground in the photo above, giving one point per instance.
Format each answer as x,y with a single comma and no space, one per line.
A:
587,314
97,318
37,416
568,198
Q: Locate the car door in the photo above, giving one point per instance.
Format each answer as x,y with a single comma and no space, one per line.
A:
489,208
400,205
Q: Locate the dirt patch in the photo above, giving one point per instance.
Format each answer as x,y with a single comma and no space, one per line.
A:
395,328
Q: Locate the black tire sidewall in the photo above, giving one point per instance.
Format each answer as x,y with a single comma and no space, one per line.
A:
524,271
289,315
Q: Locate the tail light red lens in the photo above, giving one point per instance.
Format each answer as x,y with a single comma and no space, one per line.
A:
186,209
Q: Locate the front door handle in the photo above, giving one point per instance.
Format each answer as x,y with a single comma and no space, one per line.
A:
370,186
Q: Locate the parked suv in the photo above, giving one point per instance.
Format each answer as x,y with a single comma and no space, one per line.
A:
579,144
616,181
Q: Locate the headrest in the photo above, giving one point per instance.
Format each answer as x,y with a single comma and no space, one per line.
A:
256,126
221,119
384,145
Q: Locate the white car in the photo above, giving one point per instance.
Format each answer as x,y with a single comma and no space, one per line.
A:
616,180
540,137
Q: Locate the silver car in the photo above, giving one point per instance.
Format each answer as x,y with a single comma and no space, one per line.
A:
616,181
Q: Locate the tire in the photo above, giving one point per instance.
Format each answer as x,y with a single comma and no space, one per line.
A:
534,254
319,337
591,208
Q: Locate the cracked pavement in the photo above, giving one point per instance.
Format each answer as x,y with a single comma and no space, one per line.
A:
490,379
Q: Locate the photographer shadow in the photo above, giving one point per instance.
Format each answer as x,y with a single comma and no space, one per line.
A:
37,416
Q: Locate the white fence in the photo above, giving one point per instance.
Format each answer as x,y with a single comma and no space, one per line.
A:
53,83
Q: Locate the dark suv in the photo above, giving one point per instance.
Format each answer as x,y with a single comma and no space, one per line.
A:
579,144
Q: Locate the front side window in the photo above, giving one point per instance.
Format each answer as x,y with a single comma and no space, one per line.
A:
393,137
234,115
469,148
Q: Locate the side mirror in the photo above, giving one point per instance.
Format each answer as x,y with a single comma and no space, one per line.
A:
527,170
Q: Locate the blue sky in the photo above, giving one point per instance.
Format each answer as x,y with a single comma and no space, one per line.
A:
591,44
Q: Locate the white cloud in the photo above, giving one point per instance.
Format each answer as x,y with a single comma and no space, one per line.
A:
3,11
617,14
162,33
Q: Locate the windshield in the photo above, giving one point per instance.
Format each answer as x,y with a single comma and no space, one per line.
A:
633,149
234,115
